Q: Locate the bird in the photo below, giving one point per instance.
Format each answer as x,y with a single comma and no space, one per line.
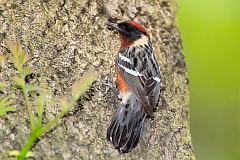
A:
138,82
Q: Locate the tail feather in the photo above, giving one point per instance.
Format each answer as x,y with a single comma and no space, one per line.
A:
126,126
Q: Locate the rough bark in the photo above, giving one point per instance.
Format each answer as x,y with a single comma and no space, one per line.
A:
67,38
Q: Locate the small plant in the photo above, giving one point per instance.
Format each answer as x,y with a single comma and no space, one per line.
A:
6,105
19,58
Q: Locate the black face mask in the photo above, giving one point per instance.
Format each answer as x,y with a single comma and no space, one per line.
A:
129,31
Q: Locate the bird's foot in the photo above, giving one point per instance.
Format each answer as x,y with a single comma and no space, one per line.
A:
109,86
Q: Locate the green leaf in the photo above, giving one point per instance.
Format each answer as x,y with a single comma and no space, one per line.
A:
80,86
40,106
6,106
31,88
23,56
65,104
16,153
16,50
2,85
4,102
19,81
13,153
3,111
19,57
36,123
27,70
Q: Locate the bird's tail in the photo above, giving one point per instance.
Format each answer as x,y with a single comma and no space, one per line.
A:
126,125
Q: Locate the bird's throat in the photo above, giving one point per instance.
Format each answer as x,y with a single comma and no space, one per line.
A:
125,42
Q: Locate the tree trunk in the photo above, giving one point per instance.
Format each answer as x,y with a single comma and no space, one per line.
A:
65,39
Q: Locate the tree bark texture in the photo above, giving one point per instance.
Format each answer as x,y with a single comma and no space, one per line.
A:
65,39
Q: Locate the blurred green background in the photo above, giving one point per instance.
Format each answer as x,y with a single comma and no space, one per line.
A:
210,30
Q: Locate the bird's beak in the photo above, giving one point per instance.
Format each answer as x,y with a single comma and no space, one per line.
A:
115,26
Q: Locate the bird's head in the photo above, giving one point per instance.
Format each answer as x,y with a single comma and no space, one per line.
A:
129,32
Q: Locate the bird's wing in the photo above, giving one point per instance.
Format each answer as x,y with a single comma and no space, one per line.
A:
139,69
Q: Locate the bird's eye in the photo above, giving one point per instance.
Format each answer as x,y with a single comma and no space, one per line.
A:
126,28
129,28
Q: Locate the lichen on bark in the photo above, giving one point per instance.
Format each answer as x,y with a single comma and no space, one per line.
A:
68,38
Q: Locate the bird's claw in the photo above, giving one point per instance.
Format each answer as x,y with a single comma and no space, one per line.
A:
110,86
